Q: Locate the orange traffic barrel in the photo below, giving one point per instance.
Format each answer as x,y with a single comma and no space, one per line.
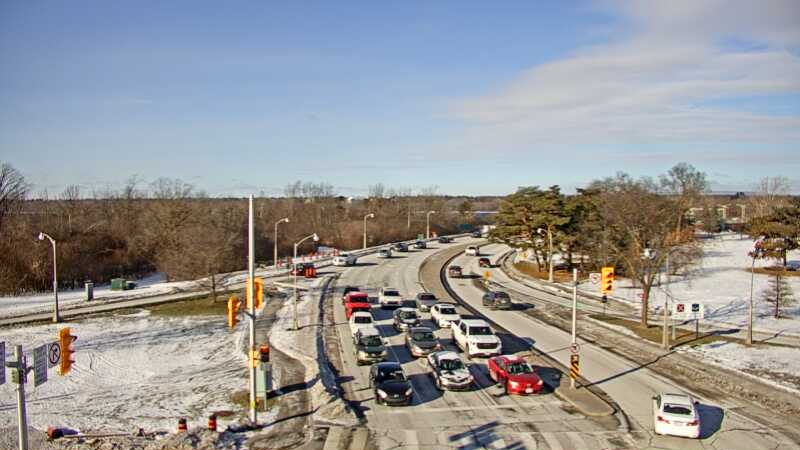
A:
181,424
212,422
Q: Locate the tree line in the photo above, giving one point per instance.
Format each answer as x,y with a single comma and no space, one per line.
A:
634,225
170,227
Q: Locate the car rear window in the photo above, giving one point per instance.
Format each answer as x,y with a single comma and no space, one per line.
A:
391,294
501,295
407,315
427,297
447,310
363,319
680,410
480,331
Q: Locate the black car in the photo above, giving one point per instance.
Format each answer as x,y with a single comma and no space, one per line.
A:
400,247
476,234
390,385
455,272
405,318
420,341
497,300
420,244
348,289
445,239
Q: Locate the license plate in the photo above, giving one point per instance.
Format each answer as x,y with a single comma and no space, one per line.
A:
528,390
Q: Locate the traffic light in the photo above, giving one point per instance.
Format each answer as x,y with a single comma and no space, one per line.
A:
263,351
259,297
65,340
233,311
607,280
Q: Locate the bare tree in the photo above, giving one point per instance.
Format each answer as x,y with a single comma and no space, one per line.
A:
770,190
13,190
686,184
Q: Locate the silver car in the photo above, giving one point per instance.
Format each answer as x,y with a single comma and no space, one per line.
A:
426,300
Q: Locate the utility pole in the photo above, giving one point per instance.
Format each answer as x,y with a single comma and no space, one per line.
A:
252,302
43,236
550,255
750,305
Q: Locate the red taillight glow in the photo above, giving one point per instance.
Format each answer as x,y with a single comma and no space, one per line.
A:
694,422
661,419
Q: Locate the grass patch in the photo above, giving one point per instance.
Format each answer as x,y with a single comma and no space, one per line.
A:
197,307
775,271
242,398
654,333
532,270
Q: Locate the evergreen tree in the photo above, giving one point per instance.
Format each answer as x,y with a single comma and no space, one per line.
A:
779,293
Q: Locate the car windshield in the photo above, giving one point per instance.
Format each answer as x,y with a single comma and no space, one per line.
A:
423,336
391,294
427,297
501,295
479,331
391,374
361,309
448,311
680,410
363,319
408,314
519,367
371,341
451,364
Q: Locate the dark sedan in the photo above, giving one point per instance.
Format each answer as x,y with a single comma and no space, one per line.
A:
421,341
390,385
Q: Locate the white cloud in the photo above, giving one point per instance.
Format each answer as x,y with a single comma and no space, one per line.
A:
660,84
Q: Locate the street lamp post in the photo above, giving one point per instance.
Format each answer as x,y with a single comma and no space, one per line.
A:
428,224
294,272
42,236
368,216
275,249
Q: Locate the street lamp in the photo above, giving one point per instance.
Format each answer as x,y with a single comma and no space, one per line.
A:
275,250
294,271
368,216
428,224
549,251
42,236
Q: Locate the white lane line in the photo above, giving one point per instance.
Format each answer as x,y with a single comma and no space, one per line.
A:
411,440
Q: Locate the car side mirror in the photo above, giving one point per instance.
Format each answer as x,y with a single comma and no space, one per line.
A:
655,398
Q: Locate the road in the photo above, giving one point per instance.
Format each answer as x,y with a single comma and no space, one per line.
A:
629,384
482,418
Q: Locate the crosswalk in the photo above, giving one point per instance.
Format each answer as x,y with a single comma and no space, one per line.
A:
483,438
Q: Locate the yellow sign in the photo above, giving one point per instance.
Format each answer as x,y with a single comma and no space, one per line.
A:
487,275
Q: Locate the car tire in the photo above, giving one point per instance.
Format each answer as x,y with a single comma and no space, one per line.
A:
505,387
438,383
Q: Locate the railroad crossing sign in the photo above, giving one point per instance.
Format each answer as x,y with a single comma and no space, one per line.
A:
40,365
53,354
575,363
575,348
594,277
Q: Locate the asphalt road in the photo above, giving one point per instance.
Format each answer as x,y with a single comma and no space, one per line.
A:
629,384
481,418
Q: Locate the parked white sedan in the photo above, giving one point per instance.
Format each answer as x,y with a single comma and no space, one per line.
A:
676,415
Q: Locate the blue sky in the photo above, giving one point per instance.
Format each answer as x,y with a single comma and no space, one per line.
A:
471,97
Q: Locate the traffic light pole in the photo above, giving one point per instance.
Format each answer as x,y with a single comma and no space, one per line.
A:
574,313
665,334
251,301
22,418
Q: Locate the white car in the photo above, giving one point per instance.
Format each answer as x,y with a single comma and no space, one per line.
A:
676,415
443,314
385,253
389,298
360,319
476,338
345,259
472,251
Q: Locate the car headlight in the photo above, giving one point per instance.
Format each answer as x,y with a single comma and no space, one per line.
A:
438,346
409,391
382,394
383,353
471,378
362,354
416,348
513,384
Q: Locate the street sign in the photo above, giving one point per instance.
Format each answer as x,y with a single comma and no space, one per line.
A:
688,311
487,275
2,363
575,364
575,348
53,354
594,277
40,365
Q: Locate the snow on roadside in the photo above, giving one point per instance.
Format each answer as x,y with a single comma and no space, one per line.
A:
778,366
133,370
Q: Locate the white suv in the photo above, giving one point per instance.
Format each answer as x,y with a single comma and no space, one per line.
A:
472,251
443,314
360,319
389,297
476,338
345,259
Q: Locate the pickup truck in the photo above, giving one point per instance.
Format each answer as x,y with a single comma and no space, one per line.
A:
476,338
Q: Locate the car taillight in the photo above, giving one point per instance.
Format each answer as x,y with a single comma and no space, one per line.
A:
661,419
694,422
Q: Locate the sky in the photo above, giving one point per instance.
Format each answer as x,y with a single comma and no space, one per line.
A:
473,98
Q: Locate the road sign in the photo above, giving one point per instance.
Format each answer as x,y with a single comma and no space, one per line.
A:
2,363
53,354
575,363
594,277
575,348
487,275
40,365
688,311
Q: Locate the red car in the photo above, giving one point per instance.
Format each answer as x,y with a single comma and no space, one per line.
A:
484,262
355,296
514,374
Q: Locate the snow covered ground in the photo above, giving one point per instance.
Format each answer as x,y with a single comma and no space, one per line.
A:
721,281
132,370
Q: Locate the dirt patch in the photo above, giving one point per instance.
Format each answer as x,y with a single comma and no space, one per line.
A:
532,270
775,271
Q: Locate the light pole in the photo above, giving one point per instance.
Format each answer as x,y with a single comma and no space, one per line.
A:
294,272
549,251
368,216
275,249
42,236
428,224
